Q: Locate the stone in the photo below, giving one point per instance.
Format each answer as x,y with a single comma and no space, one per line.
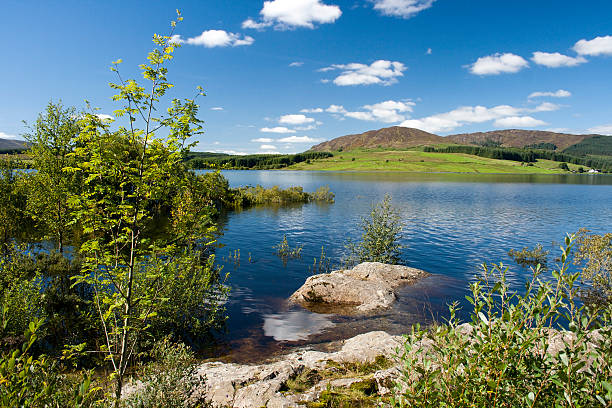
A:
365,288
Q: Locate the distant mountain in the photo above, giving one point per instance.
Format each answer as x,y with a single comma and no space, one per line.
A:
519,138
395,137
7,145
398,137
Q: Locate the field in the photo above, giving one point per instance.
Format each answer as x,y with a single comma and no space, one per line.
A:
418,161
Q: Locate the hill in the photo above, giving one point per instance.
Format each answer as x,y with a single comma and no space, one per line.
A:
10,145
395,137
518,138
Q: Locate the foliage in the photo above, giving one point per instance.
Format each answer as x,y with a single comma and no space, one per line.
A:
167,380
19,293
52,140
542,146
252,161
515,351
129,176
597,145
563,166
26,381
530,257
382,231
12,202
603,163
594,253
285,252
243,197
322,265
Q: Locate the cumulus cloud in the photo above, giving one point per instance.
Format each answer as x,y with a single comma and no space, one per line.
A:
387,112
380,72
290,14
561,93
402,8
594,47
215,38
313,110
556,60
217,108
234,152
503,115
546,107
602,130
497,64
295,119
262,140
299,139
296,64
277,129
518,121
309,127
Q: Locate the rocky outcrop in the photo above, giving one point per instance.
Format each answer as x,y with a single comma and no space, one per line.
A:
242,386
366,287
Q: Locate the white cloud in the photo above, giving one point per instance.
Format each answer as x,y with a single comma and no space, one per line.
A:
498,63
234,152
7,136
295,119
267,147
262,140
277,129
313,110
558,130
518,121
546,107
503,115
561,93
380,72
215,38
217,108
335,109
402,8
250,23
602,130
556,60
596,46
296,64
309,127
299,139
104,116
289,14
216,143
387,112
428,52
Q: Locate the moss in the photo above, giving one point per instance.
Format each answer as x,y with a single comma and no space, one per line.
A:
360,394
303,381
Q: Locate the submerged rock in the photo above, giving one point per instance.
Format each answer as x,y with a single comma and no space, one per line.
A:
366,287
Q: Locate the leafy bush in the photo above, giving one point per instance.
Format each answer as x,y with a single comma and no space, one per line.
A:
594,253
382,231
530,257
167,381
258,195
540,349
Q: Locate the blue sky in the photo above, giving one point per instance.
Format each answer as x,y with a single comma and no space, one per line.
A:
281,75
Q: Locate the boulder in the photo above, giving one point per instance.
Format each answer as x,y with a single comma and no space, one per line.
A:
365,288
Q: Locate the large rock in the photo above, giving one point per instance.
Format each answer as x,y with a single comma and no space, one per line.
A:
241,386
366,287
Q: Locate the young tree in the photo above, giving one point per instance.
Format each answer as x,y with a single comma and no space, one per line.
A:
131,175
382,231
52,140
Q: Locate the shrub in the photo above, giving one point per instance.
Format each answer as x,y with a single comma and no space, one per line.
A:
540,349
382,231
168,380
530,257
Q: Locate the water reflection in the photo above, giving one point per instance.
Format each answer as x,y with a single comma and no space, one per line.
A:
294,325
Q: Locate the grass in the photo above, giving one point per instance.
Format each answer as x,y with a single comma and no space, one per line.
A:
418,161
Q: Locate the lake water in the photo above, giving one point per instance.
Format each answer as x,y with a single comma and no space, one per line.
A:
452,224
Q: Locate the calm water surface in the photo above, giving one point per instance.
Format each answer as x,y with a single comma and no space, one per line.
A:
452,224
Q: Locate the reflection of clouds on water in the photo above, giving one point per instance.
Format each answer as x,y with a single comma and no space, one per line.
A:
295,325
